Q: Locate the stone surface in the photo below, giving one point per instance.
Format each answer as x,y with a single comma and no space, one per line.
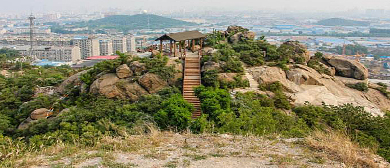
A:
228,77
41,113
106,85
268,75
123,71
207,50
138,68
303,84
71,81
152,83
178,66
132,90
155,53
26,123
299,50
348,68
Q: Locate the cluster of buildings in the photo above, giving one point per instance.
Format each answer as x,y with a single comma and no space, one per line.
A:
70,49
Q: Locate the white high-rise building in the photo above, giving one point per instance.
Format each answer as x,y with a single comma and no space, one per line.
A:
130,43
88,46
62,54
119,44
105,47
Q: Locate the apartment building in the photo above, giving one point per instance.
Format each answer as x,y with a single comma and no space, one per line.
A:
61,54
130,43
88,46
105,46
119,44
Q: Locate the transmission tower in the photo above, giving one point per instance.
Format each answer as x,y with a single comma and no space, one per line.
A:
31,18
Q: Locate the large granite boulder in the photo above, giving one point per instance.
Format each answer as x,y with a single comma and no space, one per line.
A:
138,68
177,64
41,113
106,85
26,123
207,50
238,33
155,53
303,84
71,81
348,68
123,71
268,75
303,75
298,50
132,90
152,83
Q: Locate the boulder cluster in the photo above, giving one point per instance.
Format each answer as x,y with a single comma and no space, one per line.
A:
128,81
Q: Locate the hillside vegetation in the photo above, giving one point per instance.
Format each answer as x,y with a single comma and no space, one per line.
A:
140,21
121,107
342,22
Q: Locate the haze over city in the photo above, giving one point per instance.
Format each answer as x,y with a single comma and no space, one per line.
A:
23,6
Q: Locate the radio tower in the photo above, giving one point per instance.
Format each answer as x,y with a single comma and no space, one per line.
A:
31,18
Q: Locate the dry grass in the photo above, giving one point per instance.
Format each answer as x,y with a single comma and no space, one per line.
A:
339,147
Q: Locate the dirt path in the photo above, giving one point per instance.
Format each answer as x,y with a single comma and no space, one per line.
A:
188,150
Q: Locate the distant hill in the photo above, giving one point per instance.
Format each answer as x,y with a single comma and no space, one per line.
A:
140,21
342,22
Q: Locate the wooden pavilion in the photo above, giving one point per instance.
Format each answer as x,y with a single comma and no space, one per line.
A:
182,40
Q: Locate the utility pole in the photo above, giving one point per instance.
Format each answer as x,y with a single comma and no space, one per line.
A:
31,18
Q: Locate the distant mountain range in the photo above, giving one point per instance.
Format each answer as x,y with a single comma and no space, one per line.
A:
342,22
140,21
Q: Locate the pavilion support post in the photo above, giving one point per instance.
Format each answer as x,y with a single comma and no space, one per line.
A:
180,47
201,46
170,47
174,49
161,47
193,45
184,48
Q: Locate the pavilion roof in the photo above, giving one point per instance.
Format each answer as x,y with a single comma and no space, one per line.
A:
188,35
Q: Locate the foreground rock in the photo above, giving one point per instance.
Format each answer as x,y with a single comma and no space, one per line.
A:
71,82
348,68
303,84
123,71
152,83
239,33
41,113
106,85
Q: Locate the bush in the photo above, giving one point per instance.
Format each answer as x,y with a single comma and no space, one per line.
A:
359,86
175,112
233,65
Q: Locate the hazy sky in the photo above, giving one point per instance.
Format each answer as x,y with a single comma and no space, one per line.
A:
25,6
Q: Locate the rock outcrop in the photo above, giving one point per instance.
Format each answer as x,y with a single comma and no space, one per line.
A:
106,85
132,90
298,50
123,71
41,113
152,83
71,81
303,84
268,75
348,68
138,68
238,33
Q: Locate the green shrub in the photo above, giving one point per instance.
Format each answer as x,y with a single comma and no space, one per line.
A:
359,86
175,112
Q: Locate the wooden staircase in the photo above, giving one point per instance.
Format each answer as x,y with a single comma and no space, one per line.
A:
192,79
